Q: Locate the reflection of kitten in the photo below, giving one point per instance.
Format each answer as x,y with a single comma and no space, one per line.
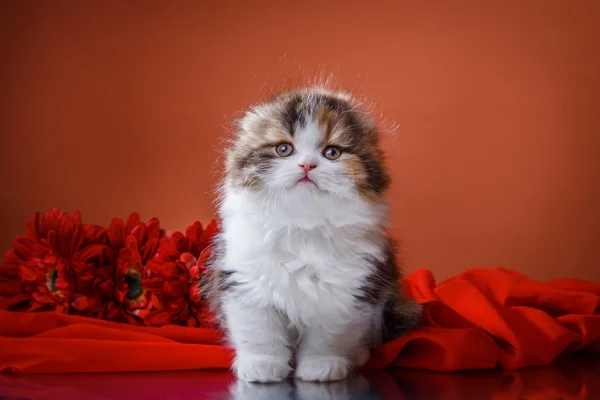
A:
355,387
303,267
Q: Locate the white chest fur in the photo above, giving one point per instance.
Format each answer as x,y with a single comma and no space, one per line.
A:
304,263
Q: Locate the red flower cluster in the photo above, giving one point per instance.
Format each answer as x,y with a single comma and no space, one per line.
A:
130,272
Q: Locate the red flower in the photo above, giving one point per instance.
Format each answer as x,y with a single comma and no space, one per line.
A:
37,230
12,295
38,227
194,242
99,284
47,262
50,281
118,231
179,302
171,304
110,280
177,263
134,283
197,303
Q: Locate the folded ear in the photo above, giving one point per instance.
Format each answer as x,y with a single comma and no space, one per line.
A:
248,123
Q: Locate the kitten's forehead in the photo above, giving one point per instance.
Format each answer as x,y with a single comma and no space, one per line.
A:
311,114
309,135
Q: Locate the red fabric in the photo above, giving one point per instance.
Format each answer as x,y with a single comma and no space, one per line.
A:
478,320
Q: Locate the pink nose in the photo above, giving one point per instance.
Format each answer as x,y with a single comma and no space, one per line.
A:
307,167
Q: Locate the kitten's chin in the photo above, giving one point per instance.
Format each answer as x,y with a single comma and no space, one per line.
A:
307,184
312,190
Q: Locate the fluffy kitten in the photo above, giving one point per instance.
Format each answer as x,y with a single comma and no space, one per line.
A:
303,271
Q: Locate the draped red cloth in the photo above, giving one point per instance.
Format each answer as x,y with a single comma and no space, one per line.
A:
480,319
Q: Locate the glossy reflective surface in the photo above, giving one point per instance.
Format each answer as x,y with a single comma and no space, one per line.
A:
569,378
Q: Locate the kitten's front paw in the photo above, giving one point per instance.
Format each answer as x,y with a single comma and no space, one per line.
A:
261,368
322,368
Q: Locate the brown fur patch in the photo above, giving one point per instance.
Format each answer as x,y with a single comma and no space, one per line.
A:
383,282
327,122
383,286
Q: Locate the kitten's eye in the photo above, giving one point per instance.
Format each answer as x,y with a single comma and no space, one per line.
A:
332,152
284,150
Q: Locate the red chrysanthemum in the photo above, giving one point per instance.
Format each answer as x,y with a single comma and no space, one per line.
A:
189,246
48,262
108,281
39,227
179,262
12,293
51,282
198,272
99,285
134,283
171,304
178,301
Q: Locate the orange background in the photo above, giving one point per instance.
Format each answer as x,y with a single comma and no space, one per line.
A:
110,107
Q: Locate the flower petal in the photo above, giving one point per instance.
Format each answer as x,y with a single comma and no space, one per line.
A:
116,233
133,220
80,303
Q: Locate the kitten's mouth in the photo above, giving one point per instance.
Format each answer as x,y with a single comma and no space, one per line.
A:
306,179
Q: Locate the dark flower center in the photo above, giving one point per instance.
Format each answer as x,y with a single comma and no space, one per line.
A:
134,282
51,280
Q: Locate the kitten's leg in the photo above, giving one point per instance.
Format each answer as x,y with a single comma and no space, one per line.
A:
331,345
261,340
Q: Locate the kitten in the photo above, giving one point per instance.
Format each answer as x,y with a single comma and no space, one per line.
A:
303,271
